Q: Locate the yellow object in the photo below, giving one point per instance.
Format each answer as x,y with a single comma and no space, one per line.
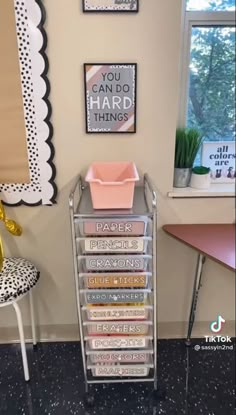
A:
13,227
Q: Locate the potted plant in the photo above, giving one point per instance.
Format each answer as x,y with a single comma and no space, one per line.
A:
200,178
188,142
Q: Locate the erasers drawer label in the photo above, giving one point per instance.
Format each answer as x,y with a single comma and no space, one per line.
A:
104,297
110,281
117,343
121,328
121,371
117,313
114,245
115,263
115,228
117,357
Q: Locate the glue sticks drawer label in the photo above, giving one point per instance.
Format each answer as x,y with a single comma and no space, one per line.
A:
112,263
114,227
114,245
115,297
118,281
120,371
118,343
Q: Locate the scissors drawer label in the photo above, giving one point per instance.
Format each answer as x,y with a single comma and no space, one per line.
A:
119,357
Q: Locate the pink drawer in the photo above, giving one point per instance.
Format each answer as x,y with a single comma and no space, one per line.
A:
115,227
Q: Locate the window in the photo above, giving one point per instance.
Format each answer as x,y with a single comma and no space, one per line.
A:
208,72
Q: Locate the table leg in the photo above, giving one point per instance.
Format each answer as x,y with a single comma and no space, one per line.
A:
196,287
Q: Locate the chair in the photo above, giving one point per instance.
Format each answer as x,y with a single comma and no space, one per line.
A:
17,279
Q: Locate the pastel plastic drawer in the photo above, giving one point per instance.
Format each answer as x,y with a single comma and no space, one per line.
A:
122,370
114,296
127,356
113,245
117,227
114,262
98,313
115,280
118,342
113,327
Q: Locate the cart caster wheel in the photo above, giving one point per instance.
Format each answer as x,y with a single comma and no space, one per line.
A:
89,400
188,342
158,395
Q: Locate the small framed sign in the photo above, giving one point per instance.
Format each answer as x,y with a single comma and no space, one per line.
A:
110,97
111,6
220,156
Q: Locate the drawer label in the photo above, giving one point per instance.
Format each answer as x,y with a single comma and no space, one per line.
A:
121,371
115,263
117,343
115,228
120,328
117,314
119,357
117,245
116,281
102,297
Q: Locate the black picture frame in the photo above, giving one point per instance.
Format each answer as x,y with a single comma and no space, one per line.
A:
136,10
134,126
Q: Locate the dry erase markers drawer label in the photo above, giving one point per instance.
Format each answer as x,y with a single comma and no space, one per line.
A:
116,357
120,371
118,343
115,263
119,281
114,227
114,244
118,297
117,313
117,328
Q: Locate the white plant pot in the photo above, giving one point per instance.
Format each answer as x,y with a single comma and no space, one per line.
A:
200,181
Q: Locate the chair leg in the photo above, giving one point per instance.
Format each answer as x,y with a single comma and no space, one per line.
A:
32,315
22,340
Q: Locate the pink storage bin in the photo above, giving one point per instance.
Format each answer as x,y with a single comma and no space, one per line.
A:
112,184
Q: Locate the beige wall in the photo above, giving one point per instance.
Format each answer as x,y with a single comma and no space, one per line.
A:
152,39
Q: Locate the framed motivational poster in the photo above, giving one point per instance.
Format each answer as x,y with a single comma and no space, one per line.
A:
110,97
220,156
110,5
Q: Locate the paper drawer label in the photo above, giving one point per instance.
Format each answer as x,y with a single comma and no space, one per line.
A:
115,263
102,297
122,328
117,313
121,371
117,343
114,245
116,281
119,357
115,228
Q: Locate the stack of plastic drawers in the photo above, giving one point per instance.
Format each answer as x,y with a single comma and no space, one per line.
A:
115,293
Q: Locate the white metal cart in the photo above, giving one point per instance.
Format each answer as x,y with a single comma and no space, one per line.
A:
115,274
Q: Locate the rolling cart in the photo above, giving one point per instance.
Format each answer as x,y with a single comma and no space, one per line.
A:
115,270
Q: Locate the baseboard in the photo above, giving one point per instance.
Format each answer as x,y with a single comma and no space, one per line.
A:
70,332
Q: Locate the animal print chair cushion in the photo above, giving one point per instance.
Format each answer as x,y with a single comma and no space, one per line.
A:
17,277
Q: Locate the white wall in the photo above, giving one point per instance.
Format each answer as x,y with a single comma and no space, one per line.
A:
152,39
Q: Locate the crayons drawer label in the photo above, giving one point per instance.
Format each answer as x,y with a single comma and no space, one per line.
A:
115,297
119,281
115,263
115,228
118,343
115,245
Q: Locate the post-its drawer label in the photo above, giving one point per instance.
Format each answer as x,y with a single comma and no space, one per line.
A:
119,357
117,313
115,297
114,227
109,281
120,371
114,245
118,343
115,263
121,328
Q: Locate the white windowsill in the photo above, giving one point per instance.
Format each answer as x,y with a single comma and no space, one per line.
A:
216,190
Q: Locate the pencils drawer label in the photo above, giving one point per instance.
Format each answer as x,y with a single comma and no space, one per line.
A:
114,245
113,263
117,343
114,227
117,281
102,297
